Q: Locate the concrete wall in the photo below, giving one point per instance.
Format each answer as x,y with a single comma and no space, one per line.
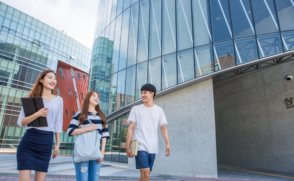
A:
190,114
253,126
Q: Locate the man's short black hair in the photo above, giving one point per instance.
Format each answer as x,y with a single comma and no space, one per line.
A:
149,87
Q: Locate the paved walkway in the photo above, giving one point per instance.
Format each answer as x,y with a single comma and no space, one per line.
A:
62,169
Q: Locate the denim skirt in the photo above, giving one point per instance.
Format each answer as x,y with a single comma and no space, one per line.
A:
34,150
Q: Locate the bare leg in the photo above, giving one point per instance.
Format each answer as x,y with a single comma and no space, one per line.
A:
40,176
145,174
24,175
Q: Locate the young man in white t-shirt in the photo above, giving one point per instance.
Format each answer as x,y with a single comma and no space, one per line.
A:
144,120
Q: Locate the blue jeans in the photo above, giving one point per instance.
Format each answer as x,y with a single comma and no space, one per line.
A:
87,171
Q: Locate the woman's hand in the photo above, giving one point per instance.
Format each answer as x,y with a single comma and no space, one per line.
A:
92,127
43,112
101,159
55,153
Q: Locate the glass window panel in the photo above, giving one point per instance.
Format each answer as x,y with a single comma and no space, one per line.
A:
141,78
224,55
133,1
115,55
7,22
123,139
169,71
288,40
13,25
9,16
116,140
203,60
246,50
130,85
1,19
113,9
48,39
127,4
15,19
184,25
221,23
26,30
2,13
185,66
16,13
10,10
20,28
112,95
264,16
133,36
23,16
154,73
28,24
242,18
120,94
168,27
32,33
21,21
37,35
285,10
201,22
155,29
269,45
3,7
43,38
119,7
124,40
29,19
143,31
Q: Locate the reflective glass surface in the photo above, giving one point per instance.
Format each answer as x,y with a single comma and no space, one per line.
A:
185,61
168,42
143,31
27,47
288,40
154,71
169,71
184,25
264,16
168,27
155,29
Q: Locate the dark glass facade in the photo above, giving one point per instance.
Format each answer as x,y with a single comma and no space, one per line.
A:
27,47
169,42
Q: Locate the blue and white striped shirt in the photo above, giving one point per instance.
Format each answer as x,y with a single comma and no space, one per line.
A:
74,124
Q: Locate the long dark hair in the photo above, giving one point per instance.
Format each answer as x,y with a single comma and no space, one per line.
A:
85,109
38,87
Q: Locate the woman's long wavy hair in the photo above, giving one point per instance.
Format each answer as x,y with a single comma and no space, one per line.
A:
85,109
38,87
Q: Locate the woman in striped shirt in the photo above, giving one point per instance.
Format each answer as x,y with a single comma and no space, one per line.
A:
89,170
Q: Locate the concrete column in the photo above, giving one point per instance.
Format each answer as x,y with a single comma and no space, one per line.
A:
191,126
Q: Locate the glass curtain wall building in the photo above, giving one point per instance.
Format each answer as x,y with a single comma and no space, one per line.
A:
169,42
27,47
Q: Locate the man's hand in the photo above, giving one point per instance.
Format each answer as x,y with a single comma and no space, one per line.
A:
167,150
129,153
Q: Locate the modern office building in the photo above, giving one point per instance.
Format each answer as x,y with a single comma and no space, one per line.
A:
220,70
27,47
72,86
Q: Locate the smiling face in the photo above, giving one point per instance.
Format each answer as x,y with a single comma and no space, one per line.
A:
94,99
146,96
49,81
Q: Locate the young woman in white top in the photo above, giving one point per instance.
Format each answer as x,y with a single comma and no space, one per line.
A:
35,148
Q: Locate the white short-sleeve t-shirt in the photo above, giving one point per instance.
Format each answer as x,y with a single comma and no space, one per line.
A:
147,120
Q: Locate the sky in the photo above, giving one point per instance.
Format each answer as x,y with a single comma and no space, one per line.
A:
76,17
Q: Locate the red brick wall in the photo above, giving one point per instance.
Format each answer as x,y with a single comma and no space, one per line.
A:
65,84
